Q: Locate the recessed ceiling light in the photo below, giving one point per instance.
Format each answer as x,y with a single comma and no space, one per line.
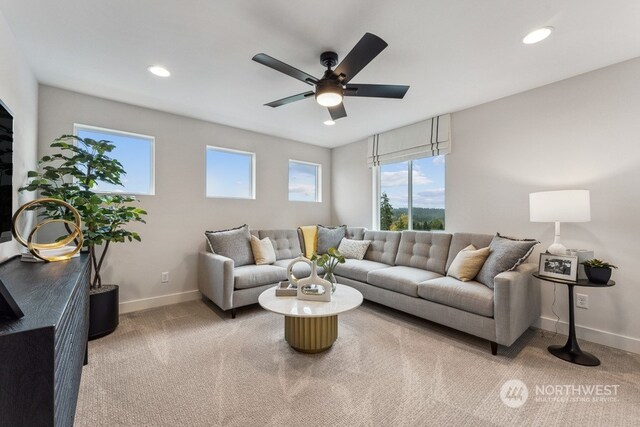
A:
537,35
329,122
159,71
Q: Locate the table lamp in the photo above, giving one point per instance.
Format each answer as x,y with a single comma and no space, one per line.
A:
559,206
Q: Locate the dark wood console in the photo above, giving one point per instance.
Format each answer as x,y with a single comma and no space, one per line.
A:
41,354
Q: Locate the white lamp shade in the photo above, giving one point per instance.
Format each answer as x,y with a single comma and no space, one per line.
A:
561,206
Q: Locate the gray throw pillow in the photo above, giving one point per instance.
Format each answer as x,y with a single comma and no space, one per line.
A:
234,243
505,255
329,237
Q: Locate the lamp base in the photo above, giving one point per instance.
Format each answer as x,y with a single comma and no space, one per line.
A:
557,249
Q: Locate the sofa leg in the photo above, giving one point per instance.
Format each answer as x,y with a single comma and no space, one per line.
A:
233,313
494,347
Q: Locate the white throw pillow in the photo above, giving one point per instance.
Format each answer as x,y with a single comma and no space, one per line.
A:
263,251
468,263
354,249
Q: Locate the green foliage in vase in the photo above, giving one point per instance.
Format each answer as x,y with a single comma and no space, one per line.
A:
598,263
71,174
329,260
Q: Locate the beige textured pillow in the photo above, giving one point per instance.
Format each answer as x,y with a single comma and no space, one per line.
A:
263,251
353,249
468,263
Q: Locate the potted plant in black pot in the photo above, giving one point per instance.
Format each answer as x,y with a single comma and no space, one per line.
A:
598,271
71,174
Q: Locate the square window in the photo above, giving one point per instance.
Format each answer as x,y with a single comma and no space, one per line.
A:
230,173
136,154
304,182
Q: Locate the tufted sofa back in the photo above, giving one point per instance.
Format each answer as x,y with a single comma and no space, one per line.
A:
285,242
424,249
383,247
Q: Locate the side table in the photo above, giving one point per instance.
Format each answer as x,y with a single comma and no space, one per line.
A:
571,351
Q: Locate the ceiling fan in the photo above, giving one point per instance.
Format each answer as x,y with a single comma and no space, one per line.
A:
334,84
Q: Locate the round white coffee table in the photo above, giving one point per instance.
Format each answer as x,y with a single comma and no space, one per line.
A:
311,326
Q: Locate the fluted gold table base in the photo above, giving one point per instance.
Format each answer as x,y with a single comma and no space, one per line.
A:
311,334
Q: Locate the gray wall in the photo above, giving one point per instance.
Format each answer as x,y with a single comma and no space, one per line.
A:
580,133
19,92
352,190
179,212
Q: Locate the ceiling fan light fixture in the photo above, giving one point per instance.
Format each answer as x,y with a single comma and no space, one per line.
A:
329,122
537,35
328,94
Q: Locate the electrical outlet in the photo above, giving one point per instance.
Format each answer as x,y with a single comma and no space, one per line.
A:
582,300
164,277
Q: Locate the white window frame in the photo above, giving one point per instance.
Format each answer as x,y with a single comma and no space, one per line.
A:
318,180
252,171
152,154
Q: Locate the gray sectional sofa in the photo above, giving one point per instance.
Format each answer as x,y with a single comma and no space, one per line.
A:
402,270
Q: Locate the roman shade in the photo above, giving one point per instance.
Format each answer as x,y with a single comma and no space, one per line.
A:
431,137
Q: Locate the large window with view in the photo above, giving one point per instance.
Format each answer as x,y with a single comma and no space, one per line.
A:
411,194
304,182
134,151
230,173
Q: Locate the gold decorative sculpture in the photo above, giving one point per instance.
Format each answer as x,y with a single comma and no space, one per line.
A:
35,248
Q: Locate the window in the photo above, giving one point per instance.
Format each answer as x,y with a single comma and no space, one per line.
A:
230,173
136,154
411,194
304,182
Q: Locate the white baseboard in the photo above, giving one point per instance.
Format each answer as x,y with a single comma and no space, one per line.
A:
593,335
143,304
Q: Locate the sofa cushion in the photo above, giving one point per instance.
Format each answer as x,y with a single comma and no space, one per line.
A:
505,254
263,252
285,242
354,249
383,247
329,237
469,296
250,276
459,241
467,263
424,249
234,243
300,269
357,269
400,279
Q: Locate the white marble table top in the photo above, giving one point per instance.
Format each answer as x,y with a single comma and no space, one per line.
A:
345,298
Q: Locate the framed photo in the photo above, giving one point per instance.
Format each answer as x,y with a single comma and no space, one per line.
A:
562,267
9,308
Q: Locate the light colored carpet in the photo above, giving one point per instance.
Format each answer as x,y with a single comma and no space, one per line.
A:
191,365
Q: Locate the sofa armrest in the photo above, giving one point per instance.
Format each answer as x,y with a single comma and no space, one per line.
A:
516,302
215,278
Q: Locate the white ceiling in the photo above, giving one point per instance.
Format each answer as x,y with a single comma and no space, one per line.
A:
453,53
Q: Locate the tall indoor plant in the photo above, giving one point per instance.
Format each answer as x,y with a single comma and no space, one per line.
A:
71,174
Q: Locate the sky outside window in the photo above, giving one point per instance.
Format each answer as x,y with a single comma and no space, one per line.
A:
229,174
303,182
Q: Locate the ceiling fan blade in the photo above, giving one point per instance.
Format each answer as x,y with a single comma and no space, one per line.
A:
362,53
290,99
376,91
337,112
287,69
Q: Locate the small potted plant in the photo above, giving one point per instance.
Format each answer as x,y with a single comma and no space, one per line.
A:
598,271
329,261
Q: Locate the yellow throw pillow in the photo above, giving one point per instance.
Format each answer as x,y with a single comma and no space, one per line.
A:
263,251
468,263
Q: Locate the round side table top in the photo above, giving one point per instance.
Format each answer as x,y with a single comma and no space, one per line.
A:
345,298
579,282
